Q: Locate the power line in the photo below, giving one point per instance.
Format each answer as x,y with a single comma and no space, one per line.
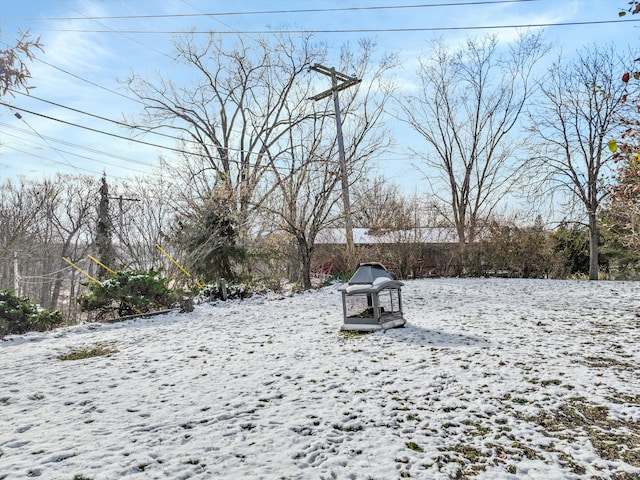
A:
177,150
95,129
88,81
116,122
120,124
75,145
125,36
62,163
50,274
99,117
290,11
203,13
84,157
18,116
350,30
66,72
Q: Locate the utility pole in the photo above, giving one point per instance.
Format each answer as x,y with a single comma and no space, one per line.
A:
345,82
121,199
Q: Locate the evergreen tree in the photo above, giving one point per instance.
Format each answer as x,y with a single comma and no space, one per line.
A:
104,245
572,241
211,243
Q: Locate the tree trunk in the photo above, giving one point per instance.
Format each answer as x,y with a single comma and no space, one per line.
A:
305,253
593,247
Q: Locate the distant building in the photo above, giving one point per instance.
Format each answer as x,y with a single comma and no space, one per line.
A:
367,236
415,253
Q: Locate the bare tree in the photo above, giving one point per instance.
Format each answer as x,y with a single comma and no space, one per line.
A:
21,206
305,196
17,205
237,108
467,103
148,210
578,114
379,206
45,221
305,172
20,203
69,215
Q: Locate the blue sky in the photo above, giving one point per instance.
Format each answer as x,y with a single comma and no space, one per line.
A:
81,67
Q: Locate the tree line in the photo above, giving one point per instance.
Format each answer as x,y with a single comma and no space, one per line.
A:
48,220
254,177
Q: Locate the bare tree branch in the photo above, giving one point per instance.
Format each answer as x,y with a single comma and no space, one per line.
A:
467,104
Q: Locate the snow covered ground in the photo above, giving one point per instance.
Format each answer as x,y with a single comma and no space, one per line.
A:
491,379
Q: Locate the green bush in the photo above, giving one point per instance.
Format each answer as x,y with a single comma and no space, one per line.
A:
20,315
129,293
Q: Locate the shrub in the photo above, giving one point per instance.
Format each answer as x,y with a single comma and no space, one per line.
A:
129,293
212,292
20,315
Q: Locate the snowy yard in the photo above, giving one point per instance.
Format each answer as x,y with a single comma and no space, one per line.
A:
491,378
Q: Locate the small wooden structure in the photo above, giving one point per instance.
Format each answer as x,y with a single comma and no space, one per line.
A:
372,300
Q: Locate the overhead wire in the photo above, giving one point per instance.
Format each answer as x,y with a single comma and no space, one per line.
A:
100,117
122,124
208,15
350,30
84,157
37,59
265,12
172,149
116,122
317,10
79,111
44,275
124,35
75,145
43,139
95,130
31,154
289,11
